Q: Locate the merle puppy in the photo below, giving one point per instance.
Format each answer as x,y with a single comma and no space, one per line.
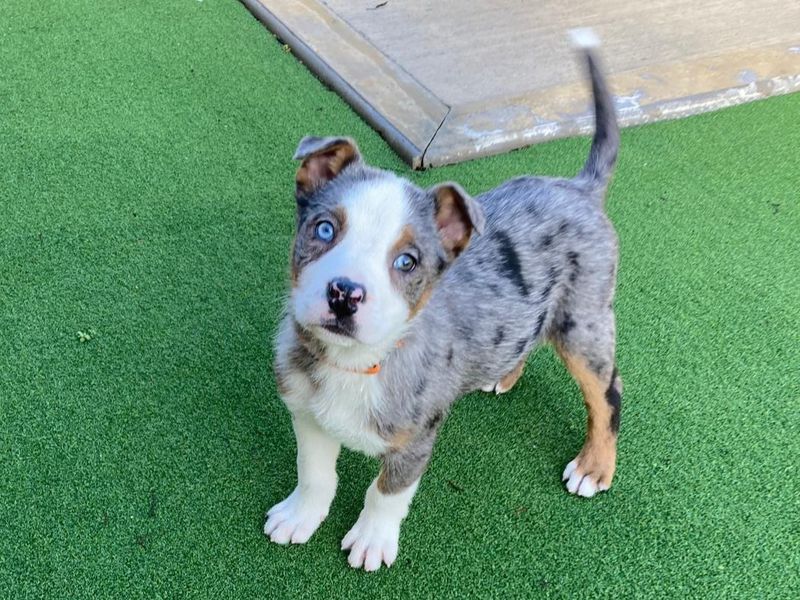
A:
404,299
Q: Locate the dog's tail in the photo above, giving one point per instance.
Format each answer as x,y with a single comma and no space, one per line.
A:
605,145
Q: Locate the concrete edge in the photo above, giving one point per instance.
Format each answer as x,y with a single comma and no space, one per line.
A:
505,124
446,150
410,144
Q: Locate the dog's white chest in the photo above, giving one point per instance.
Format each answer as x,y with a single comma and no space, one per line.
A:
343,406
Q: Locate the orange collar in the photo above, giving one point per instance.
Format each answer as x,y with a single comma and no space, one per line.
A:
373,370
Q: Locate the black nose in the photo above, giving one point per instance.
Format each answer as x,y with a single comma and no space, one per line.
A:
344,296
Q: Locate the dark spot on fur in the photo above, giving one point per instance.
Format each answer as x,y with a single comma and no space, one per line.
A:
521,346
614,399
419,389
575,267
539,324
546,242
303,360
563,227
552,277
498,337
566,324
416,412
434,420
493,288
450,356
440,265
509,262
598,366
465,330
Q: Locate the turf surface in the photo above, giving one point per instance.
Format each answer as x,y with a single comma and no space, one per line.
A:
146,202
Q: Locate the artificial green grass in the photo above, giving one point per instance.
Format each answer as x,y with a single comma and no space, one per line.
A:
146,201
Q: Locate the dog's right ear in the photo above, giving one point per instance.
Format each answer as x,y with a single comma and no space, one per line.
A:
323,159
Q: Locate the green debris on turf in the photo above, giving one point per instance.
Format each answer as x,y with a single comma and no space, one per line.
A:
86,336
142,466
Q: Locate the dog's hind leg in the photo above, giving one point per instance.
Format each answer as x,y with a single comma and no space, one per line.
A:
508,380
587,349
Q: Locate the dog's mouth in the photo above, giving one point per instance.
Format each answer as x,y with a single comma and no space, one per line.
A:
336,331
345,329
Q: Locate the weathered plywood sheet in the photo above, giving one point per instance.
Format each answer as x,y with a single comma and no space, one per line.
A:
486,77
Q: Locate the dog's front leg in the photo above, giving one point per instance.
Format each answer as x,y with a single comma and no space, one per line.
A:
374,539
301,513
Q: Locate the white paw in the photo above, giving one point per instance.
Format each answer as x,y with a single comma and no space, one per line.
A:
500,388
496,388
580,483
294,520
372,542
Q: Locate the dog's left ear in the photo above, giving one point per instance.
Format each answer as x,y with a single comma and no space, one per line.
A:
457,217
323,159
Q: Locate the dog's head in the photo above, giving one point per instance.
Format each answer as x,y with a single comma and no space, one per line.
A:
370,246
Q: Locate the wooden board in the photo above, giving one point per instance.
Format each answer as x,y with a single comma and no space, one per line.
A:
447,81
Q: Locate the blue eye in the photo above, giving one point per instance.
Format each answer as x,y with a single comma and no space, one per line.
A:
405,263
324,231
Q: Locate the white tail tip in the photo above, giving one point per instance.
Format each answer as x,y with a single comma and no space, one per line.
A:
584,37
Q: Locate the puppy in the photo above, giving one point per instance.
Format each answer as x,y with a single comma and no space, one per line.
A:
403,299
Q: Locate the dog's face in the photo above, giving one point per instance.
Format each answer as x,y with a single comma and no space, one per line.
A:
369,246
